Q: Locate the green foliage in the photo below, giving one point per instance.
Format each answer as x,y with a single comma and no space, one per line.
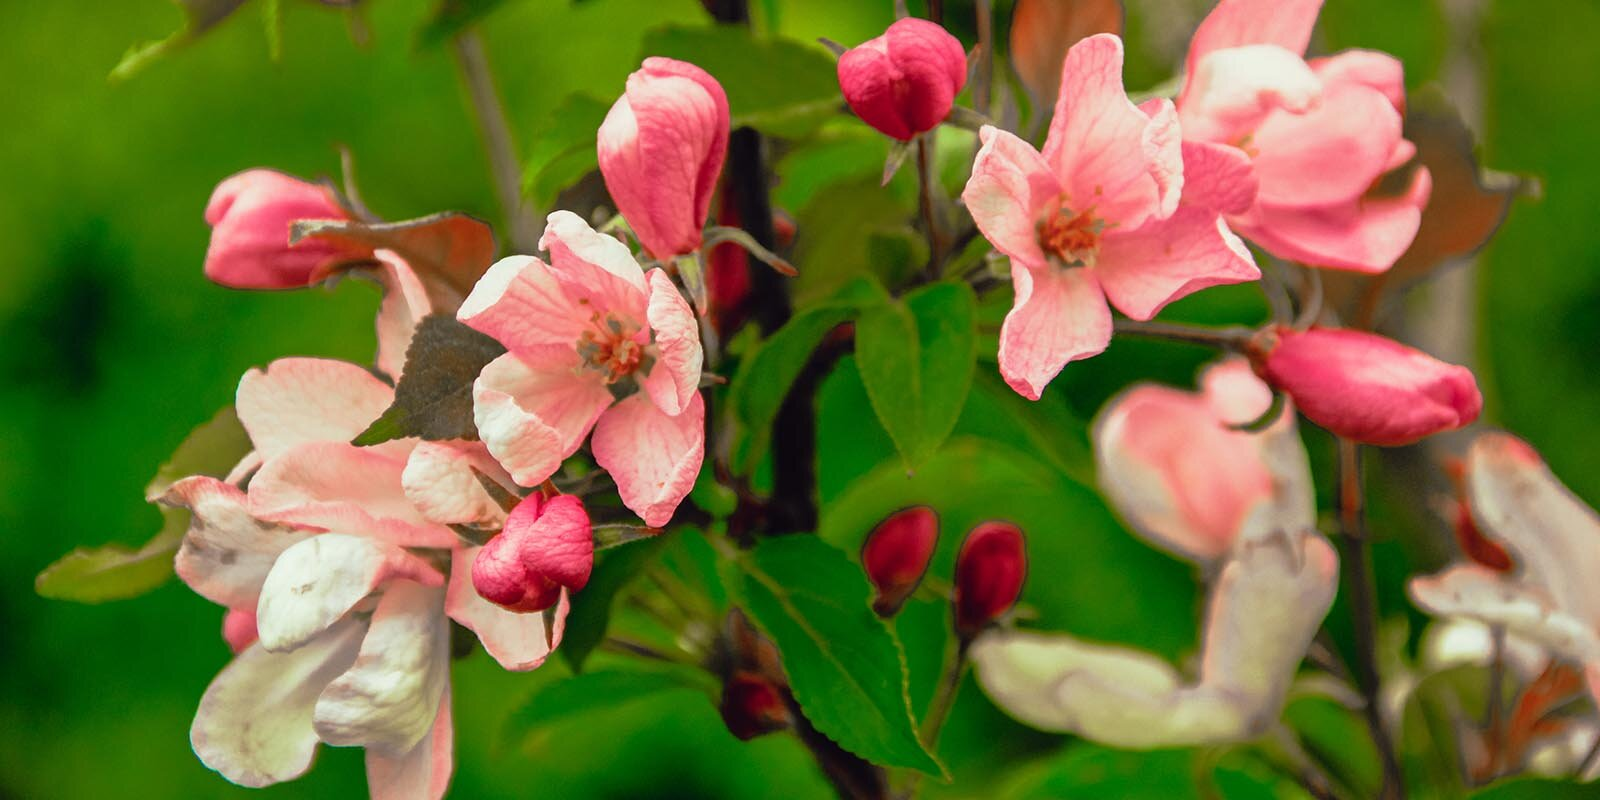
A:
1089,771
845,668
794,91
199,16
433,400
916,360
614,570
598,691
451,17
561,149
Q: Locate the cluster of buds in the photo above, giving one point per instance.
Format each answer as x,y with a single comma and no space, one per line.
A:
989,570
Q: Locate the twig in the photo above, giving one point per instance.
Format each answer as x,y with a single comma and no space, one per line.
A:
522,224
925,197
1494,714
619,644
1233,338
983,87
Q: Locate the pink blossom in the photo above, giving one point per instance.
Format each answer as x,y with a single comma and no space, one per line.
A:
904,81
1183,479
250,214
1366,387
896,554
1092,219
586,327
546,546
1315,135
661,149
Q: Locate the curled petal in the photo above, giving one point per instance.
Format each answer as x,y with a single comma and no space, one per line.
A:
1218,177
654,458
299,400
532,416
316,582
1366,235
1477,593
675,376
520,304
440,480
227,553
1369,68
405,303
1059,315
594,270
1010,190
517,641
341,487
1331,154
1142,271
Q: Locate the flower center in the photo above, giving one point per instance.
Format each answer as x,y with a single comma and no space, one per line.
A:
1073,238
610,346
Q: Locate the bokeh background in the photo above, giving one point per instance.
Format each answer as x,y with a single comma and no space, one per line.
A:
113,345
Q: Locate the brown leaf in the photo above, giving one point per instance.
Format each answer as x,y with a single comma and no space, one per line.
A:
433,400
1043,30
449,251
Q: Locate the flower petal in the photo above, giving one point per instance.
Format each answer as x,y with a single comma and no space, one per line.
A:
517,641
1233,23
1009,191
1218,177
520,304
594,269
299,400
422,774
405,303
341,487
389,699
1235,89
226,553
1330,154
1369,68
254,721
316,582
532,417
439,480
675,377
1367,235
654,458
1265,608
1059,315
1142,271
1475,592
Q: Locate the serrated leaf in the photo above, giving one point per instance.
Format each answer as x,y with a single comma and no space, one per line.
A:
562,149
585,694
449,251
433,400
845,668
795,90
614,570
451,17
199,16
917,360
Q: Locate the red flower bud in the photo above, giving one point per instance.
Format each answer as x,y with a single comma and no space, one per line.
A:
896,554
250,215
905,81
546,546
752,706
989,572
1365,387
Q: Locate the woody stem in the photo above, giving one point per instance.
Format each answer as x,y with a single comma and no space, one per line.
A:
1233,338
522,222
930,220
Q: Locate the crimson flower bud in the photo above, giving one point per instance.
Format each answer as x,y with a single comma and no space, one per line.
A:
239,629
896,554
989,572
752,706
545,547
1366,387
904,81
250,215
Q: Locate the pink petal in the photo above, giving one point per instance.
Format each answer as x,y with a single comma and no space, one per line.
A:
595,271
1009,191
1234,89
675,376
1328,155
405,303
226,553
344,488
299,400
1142,271
1060,315
1218,177
254,721
517,641
250,214
1234,393
520,304
1101,146
1369,68
654,458
389,699
422,774
556,542
239,628
439,480
1367,235
500,576
1233,23
533,416
316,582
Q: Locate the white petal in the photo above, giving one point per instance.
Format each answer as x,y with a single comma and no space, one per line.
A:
317,581
1475,592
423,773
226,553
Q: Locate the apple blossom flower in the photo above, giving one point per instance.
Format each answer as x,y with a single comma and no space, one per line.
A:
989,572
904,81
1312,137
250,215
581,331
1366,387
1094,218
1272,586
661,149
896,554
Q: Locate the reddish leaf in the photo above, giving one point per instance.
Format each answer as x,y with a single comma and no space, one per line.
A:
449,251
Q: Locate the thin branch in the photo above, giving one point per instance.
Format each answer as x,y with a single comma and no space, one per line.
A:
522,224
925,196
983,86
1234,338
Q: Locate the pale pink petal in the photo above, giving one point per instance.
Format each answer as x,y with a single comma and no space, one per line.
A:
519,303
1163,146
1142,271
1265,608
517,641
239,628
675,376
254,721
1010,190
1478,593
344,488
1367,235
1234,393
1218,177
226,553
1233,90
654,458
1369,68
1233,23
595,270
316,582
1060,315
1099,144
423,773
532,417
405,303
299,400
439,479
1330,154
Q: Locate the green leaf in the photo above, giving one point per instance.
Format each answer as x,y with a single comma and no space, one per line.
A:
562,149
1088,770
614,570
449,251
795,90
845,668
199,16
212,448
917,360
451,17
433,400
582,695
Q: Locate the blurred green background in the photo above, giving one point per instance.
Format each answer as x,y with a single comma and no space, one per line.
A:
113,345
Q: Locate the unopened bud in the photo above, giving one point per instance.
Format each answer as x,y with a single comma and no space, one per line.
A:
546,546
752,706
896,555
904,81
989,572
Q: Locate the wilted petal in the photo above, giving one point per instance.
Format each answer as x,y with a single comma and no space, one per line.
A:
405,303
440,480
1142,271
532,417
594,270
1478,593
1009,191
388,700
316,582
654,458
517,641
423,773
520,304
254,722
341,487
299,400
226,553
675,377
1059,315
